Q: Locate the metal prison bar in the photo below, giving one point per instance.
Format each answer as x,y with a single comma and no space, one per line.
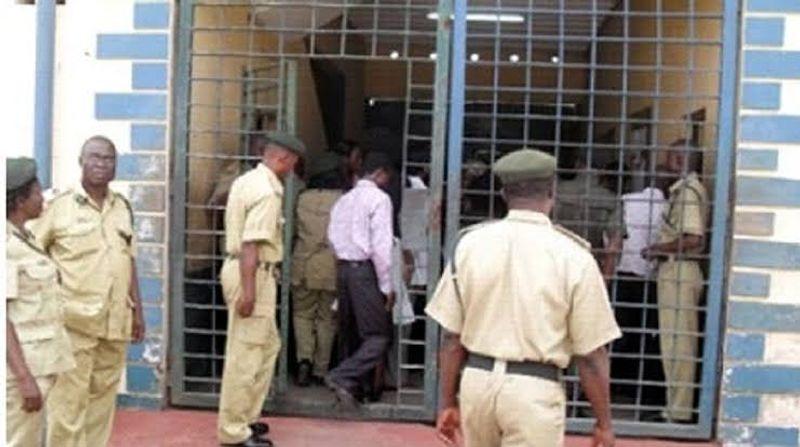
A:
607,86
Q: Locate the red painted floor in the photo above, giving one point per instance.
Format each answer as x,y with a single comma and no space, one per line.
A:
181,428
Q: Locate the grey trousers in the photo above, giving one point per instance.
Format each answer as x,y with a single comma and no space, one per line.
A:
365,327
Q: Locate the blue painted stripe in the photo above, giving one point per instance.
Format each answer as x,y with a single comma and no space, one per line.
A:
740,408
756,316
126,106
151,289
767,191
757,160
764,31
766,254
771,129
149,76
773,5
772,64
763,379
153,319
141,379
776,436
135,352
750,284
132,46
149,261
762,96
139,402
148,137
141,167
151,16
745,347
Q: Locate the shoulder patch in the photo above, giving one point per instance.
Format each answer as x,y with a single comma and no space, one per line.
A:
577,239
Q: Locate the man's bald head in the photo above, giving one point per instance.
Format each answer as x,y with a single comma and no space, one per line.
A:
98,161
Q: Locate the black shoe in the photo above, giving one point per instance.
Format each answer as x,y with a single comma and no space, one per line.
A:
304,374
345,397
254,441
259,428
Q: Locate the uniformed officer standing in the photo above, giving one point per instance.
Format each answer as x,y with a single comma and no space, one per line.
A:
89,233
680,282
519,298
254,244
314,270
37,345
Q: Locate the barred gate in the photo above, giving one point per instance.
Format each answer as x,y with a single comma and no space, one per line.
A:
607,86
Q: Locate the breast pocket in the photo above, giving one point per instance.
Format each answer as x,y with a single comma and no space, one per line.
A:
81,239
38,287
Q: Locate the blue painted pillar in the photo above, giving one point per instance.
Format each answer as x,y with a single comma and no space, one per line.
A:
43,102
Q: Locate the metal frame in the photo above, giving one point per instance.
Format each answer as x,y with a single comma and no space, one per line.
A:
447,151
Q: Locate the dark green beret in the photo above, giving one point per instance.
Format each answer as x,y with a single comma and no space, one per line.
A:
19,171
324,163
287,141
525,164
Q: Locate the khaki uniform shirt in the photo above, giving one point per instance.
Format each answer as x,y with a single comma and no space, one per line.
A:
33,298
253,214
94,248
687,209
588,209
313,261
526,290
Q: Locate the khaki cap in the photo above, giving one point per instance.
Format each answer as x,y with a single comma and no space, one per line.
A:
287,141
525,164
19,171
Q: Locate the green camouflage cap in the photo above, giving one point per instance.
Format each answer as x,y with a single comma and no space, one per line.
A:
525,164
19,171
287,141
324,163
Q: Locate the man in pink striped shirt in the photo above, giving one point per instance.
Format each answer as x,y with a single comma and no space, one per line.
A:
360,232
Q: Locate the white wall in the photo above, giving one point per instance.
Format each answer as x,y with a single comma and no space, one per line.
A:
17,79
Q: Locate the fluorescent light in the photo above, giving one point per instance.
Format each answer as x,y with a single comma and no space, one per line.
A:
514,58
555,59
485,17
474,57
394,54
432,56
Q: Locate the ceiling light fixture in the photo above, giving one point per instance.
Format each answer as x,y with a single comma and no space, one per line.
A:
514,58
474,57
394,54
555,59
432,56
485,17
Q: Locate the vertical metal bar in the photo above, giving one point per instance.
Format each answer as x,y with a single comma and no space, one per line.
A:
456,125
181,87
43,100
287,106
438,139
721,225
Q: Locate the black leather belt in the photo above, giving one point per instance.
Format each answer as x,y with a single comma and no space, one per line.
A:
364,263
526,368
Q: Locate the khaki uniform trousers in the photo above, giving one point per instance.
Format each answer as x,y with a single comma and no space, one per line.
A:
251,351
25,429
314,326
509,410
81,406
680,285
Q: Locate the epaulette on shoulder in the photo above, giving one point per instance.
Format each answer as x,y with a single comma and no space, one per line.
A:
127,204
577,239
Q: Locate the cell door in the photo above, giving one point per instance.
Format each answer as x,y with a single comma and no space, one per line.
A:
248,66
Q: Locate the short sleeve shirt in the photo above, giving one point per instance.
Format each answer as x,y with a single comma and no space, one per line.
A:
94,246
254,214
686,210
33,302
525,290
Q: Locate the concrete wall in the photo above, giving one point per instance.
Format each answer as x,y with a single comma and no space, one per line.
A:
760,395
